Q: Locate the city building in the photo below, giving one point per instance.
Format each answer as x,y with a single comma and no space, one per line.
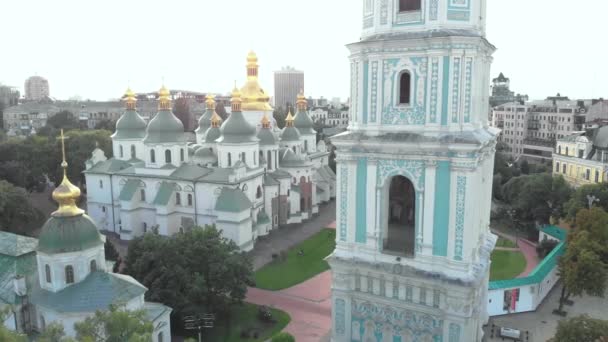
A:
414,175
597,114
9,96
36,89
530,130
288,83
242,175
582,157
501,92
63,277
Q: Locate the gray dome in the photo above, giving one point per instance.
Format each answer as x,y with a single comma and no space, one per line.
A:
601,138
205,121
304,123
213,133
267,137
69,234
237,130
130,126
290,134
165,127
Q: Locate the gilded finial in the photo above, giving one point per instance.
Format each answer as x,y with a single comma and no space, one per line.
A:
216,120
236,100
289,119
66,194
164,98
265,121
130,99
301,102
210,101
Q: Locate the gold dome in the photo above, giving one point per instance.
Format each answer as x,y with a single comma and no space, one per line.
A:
265,121
164,98
289,119
216,120
301,102
210,101
254,97
236,100
66,194
130,99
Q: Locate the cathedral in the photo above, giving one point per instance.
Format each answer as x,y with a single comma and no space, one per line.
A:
243,175
414,176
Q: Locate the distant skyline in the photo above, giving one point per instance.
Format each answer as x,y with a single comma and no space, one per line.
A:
96,49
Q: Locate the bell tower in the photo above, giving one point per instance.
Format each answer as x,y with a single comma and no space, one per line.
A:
415,176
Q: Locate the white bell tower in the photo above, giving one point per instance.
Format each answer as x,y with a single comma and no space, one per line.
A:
415,176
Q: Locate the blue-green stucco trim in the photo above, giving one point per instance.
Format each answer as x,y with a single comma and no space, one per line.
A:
365,90
361,233
442,209
445,92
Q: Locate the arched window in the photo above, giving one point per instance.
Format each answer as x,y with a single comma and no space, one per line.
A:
69,274
181,155
167,156
306,145
47,272
133,154
258,193
160,337
142,194
189,200
145,227
405,88
559,150
294,150
93,266
42,323
229,159
409,5
100,184
121,152
557,167
255,158
152,156
269,161
399,233
178,199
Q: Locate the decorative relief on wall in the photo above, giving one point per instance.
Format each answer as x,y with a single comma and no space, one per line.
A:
461,185
412,169
455,89
340,316
374,101
343,201
434,9
415,112
454,334
468,77
434,89
383,12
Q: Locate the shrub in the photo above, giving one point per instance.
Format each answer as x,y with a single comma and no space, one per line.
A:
264,314
545,247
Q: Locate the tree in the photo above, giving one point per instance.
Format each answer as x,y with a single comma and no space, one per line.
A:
16,210
524,166
53,333
115,325
283,337
279,116
110,251
598,193
581,329
64,119
8,335
221,111
108,125
198,271
181,109
2,115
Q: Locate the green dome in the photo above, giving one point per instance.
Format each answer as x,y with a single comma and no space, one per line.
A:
68,234
237,130
165,128
267,137
290,134
130,126
304,123
205,121
213,133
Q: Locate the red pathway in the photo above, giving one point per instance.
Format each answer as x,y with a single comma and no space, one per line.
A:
528,249
308,304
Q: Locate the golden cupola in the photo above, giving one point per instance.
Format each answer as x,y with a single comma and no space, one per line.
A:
253,96
66,194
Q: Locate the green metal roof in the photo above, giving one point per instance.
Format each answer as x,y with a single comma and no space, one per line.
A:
541,270
304,123
267,137
232,201
69,234
290,134
165,127
109,166
164,193
213,133
237,130
190,172
10,267
16,245
128,190
130,126
269,181
205,152
279,174
96,292
205,121
289,158
556,232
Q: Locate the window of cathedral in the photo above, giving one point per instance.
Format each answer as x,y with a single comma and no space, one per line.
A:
69,274
103,209
305,145
181,155
167,156
160,337
399,234
133,154
145,226
121,152
405,83
409,5
557,167
142,194
229,159
93,266
189,200
47,272
100,184
152,156
42,323
258,193
178,198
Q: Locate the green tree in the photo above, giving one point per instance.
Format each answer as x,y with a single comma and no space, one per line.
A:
279,116
524,166
115,325
581,329
194,271
283,337
53,333
26,162
580,199
64,119
16,210
181,109
7,335
108,125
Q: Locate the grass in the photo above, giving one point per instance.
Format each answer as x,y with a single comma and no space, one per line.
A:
506,265
502,242
245,317
295,269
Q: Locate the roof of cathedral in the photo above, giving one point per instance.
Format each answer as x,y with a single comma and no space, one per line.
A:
109,166
236,129
289,158
164,193
69,234
96,292
130,125
280,174
155,310
267,137
302,121
10,268
232,201
165,127
205,121
129,189
205,152
254,97
212,134
270,181
290,133
190,172
16,245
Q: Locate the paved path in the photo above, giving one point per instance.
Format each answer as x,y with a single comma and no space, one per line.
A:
528,249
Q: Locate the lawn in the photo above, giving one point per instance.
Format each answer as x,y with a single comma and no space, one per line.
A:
296,268
245,318
502,242
506,265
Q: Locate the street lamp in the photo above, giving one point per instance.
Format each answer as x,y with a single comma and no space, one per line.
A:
592,199
199,322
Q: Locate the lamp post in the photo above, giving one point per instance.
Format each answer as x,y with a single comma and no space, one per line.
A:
592,199
199,322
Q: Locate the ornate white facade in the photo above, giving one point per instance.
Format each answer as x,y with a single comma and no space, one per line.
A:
414,176
243,175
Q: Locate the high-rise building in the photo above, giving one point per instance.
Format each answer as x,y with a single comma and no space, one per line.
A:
9,96
36,88
288,83
501,92
414,175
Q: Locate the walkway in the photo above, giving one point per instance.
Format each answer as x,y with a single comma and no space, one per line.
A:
526,247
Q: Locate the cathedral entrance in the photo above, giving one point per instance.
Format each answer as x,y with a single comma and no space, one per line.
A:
399,234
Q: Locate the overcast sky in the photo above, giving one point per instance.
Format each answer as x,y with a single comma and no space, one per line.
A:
94,49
